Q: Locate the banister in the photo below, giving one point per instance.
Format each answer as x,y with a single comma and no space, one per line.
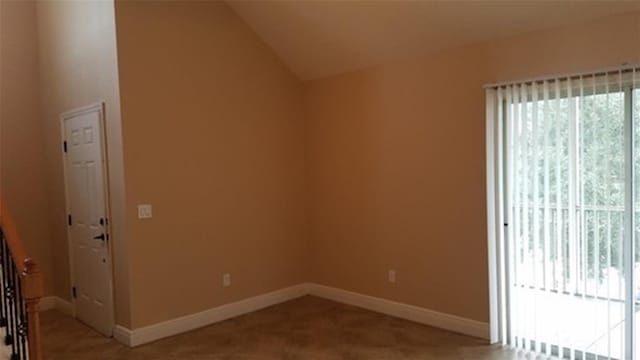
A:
31,281
16,246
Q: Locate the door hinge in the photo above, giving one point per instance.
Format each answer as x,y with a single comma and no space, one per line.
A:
73,290
69,220
64,146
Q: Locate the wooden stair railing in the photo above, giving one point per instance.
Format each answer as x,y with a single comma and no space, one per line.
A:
20,293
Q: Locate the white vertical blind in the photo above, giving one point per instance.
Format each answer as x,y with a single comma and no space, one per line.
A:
547,194
633,97
565,283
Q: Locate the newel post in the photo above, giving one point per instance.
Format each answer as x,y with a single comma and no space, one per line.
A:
33,290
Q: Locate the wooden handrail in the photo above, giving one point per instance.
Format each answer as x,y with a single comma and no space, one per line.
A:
30,279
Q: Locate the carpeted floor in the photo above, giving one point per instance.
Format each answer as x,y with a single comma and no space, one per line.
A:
308,328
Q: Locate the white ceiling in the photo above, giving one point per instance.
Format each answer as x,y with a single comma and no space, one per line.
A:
317,38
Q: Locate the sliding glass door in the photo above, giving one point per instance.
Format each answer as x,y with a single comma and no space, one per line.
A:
565,169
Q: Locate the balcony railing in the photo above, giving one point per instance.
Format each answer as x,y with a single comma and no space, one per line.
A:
575,283
577,266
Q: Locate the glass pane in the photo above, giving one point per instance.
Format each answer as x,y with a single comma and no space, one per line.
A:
568,203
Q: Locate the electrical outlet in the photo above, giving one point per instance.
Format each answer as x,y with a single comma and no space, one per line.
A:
226,280
392,276
145,211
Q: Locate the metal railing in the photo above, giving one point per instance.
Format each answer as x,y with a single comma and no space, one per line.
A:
572,267
21,289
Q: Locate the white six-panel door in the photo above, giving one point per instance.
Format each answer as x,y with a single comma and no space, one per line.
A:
87,207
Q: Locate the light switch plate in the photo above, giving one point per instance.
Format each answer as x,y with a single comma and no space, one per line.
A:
392,276
145,211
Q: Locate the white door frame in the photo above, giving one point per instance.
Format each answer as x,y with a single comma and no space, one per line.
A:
99,107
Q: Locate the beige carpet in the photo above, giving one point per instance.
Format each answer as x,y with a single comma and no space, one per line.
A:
308,328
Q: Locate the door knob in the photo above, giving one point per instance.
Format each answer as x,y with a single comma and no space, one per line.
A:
99,237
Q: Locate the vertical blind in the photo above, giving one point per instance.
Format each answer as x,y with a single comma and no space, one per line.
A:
562,224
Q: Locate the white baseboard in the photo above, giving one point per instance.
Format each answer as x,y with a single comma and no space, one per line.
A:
409,312
186,323
57,303
64,306
123,335
48,303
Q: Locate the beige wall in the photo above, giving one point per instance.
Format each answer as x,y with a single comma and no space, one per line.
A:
396,155
78,68
234,153
22,157
213,139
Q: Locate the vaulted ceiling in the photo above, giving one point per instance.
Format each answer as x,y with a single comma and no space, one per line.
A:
324,37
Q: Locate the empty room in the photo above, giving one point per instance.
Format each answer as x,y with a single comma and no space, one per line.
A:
319,179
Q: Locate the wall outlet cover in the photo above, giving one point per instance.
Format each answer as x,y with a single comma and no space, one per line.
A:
145,211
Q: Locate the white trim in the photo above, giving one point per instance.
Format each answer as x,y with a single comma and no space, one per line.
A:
183,324
64,306
190,322
48,303
492,206
56,303
123,335
417,314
